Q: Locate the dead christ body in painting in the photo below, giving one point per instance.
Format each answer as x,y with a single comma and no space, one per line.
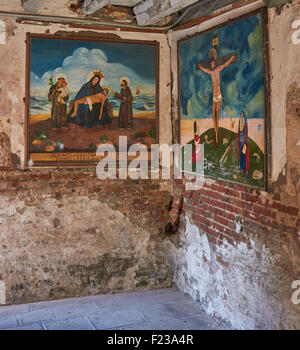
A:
101,97
214,72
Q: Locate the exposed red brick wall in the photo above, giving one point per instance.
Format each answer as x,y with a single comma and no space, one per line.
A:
134,198
245,278
214,209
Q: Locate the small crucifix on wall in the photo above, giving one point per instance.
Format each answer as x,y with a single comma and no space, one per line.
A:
213,66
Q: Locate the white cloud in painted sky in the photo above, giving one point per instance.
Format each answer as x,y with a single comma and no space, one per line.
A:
80,64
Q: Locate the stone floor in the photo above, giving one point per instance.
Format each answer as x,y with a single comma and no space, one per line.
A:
160,309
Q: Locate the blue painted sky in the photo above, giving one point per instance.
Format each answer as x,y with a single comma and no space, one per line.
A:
242,82
77,58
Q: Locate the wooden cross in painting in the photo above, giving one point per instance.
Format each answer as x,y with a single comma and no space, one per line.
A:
213,66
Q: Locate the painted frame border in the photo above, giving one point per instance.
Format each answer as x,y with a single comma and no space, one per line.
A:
80,164
267,101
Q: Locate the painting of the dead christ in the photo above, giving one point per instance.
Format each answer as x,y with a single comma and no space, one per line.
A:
86,93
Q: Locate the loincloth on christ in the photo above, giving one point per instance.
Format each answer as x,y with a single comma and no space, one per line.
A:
90,103
217,98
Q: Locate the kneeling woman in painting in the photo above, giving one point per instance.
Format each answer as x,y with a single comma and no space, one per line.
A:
84,114
243,143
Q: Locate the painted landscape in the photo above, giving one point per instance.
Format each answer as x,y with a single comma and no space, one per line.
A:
76,138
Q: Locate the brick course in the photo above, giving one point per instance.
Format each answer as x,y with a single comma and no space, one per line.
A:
215,207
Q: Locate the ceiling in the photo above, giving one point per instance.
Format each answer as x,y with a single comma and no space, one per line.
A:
152,12
128,3
142,13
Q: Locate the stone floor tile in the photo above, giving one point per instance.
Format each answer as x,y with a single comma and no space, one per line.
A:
147,299
29,327
64,311
116,318
35,316
143,326
8,319
14,308
192,323
179,309
110,301
74,323
159,309
201,322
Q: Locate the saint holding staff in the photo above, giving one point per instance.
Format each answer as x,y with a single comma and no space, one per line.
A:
125,114
58,95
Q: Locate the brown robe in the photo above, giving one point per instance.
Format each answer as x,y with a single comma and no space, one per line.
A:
125,114
58,110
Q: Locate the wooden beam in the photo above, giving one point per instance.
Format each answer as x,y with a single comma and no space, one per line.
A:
149,12
90,6
219,12
128,3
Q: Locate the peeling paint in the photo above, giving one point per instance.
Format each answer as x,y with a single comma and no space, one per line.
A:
89,33
13,97
243,294
296,33
277,4
63,244
2,33
5,157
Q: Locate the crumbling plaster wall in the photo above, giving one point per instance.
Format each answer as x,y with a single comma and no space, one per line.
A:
66,233
50,7
246,278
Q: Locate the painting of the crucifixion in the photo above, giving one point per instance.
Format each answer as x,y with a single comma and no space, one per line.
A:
213,67
222,101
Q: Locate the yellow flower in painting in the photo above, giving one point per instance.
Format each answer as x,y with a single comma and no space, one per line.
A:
49,148
36,142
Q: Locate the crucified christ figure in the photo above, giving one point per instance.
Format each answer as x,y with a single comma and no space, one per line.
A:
214,72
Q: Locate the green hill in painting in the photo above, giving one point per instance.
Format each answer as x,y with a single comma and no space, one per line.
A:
223,161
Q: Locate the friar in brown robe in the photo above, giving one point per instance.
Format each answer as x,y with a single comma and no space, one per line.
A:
125,114
58,94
